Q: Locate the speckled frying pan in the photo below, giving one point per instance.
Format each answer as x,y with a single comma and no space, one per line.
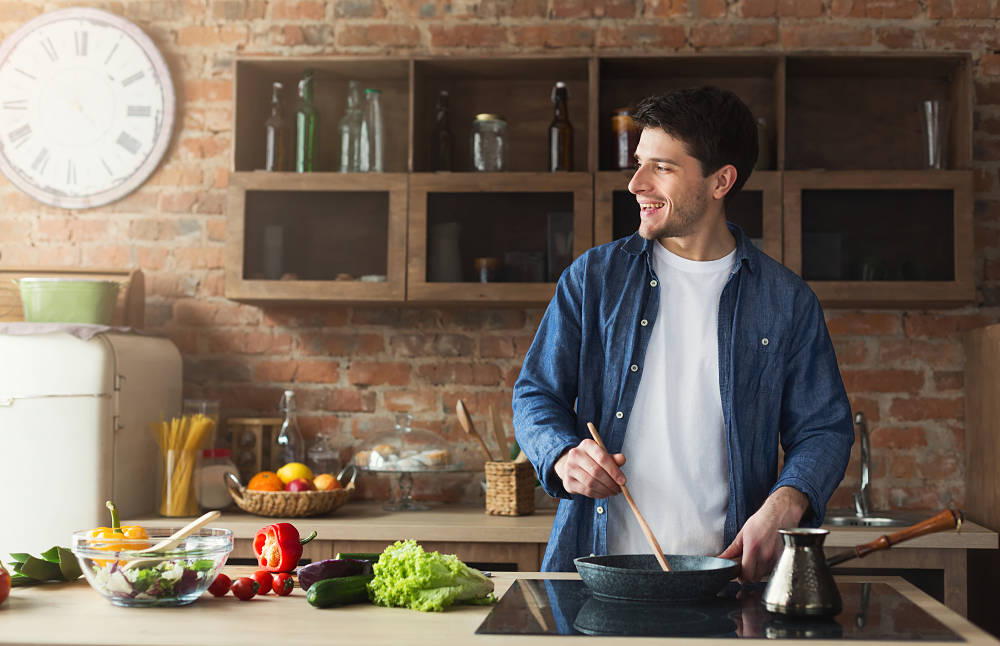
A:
638,577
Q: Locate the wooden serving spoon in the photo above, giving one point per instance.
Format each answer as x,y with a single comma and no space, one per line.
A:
657,552
466,422
173,539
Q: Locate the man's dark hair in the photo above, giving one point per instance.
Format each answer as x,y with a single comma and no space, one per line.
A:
717,128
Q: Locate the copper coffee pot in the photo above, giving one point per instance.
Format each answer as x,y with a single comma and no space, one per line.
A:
801,583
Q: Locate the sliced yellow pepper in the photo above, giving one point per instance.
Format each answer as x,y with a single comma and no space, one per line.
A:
115,535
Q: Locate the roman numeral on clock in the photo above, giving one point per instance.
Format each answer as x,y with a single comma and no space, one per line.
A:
139,111
40,160
19,135
50,49
16,104
128,142
80,41
132,79
70,172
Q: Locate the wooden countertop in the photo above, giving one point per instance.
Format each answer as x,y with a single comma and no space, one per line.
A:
73,613
463,523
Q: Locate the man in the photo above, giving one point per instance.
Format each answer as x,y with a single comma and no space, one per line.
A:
694,354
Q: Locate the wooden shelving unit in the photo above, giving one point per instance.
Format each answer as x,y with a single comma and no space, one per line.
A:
841,178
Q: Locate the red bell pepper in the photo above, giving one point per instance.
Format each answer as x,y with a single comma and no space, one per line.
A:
278,547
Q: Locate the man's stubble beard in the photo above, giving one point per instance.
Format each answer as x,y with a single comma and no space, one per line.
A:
681,221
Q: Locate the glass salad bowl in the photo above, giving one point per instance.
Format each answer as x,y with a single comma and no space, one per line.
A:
127,576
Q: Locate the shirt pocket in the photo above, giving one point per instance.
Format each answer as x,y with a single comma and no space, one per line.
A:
765,362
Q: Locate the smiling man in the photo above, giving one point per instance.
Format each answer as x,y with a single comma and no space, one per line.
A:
695,355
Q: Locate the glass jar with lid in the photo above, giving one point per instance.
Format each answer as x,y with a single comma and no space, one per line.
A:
489,142
323,456
404,449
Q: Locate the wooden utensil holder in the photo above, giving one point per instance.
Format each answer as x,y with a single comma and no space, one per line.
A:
510,488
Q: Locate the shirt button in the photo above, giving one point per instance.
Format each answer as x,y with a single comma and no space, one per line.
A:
600,510
619,414
634,368
592,554
643,322
652,283
764,341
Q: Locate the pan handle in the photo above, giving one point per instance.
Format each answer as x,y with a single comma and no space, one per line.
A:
947,519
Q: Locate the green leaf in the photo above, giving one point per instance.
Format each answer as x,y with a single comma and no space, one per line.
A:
51,555
202,565
20,580
69,565
41,569
20,557
15,567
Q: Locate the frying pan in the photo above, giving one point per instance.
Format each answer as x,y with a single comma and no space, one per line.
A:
639,576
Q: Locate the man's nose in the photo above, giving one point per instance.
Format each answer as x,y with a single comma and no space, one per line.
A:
637,184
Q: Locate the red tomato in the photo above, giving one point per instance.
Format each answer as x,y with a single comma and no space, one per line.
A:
220,587
4,584
263,578
282,583
244,588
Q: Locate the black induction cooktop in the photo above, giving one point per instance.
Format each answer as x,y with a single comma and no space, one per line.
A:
872,611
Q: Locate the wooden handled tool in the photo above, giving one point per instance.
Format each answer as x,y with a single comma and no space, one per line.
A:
466,422
657,552
499,435
947,519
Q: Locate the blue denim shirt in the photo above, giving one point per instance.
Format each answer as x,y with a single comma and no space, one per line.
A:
778,380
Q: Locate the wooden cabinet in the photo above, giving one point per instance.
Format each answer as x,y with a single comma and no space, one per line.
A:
841,193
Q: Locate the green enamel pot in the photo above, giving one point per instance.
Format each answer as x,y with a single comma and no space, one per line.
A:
68,300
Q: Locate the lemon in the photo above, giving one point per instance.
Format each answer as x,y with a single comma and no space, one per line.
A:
294,470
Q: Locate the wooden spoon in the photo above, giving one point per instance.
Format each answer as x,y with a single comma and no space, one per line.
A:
499,435
657,552
174,539
466,422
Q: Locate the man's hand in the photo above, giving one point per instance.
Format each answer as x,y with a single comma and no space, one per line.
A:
759,543
588,469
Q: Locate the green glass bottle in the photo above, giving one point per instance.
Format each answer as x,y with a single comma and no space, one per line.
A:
306,127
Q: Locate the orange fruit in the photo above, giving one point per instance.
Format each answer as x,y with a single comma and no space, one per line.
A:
326,482
266,481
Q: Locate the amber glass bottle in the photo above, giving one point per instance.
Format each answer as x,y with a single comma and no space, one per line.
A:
442,141
275,147
560,132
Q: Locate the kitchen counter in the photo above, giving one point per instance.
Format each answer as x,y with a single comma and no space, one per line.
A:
518,542
73,613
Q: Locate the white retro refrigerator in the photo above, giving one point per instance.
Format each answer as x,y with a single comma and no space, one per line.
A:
74,431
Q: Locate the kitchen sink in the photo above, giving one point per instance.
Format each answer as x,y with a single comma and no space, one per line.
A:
876,519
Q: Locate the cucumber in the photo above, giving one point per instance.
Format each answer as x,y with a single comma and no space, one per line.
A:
360,556
340,591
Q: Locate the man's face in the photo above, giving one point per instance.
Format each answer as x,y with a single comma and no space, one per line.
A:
673,195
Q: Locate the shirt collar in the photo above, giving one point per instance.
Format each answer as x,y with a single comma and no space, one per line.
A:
636,245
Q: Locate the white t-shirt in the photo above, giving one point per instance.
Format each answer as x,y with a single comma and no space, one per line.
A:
675,444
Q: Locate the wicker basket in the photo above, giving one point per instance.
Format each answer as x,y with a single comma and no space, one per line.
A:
287,504
510,488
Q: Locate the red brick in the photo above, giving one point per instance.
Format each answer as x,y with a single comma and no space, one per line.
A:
896,37
898,437
667,8
989,65
350,400
19,11
901,9
171,285
379,373
553,36
199,257
409,318
939,9
987,92
304,11
949,380
212,284
863,323
958,436
971,8
958,37
118,256
306,317
220,177
215,229
411,401
359,9
152,258
14,230
866,405
733,35
239,9
902,466
510,376
323,372
207,90
176,202
939,466
982,178
937,353
926,497
924,408
759,8
198,36
280,371
206,147
504,347
339,344
800,8
883,381
942,325
177,175
460,373
468,36
658,36
708,8
432,345
595,8
803,36
205,313
378,36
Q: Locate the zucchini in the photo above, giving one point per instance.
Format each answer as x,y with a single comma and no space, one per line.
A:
360,556
340,591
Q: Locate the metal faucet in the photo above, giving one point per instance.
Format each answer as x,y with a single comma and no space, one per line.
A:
863,498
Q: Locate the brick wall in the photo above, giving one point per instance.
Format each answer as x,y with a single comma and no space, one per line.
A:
354,367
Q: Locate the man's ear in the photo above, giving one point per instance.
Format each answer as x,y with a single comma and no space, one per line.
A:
725,179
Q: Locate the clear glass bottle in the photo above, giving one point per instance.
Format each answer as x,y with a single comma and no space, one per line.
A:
489,142
373,144
323,456
442,141
560,131
274,158
306,127
350,131
289,446
212,490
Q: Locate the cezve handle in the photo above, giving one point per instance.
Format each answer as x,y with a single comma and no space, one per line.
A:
947,519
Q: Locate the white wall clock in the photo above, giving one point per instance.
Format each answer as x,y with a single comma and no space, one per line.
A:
86,107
